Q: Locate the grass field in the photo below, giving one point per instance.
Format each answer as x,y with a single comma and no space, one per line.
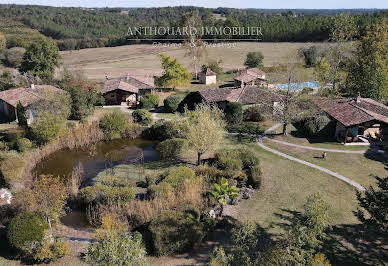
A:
357,167
143,59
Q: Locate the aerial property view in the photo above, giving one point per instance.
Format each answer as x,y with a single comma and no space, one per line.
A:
228,133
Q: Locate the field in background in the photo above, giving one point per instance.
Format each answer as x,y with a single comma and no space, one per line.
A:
143,59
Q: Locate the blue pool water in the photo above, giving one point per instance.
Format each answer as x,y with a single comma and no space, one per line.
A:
299,86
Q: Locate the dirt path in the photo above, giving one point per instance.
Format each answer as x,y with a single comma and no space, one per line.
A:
336,175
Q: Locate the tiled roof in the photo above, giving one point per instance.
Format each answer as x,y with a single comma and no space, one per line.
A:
349,111
245,96
27,95
209,72
127,83
250,74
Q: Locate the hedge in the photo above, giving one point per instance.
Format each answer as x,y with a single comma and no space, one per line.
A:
246,128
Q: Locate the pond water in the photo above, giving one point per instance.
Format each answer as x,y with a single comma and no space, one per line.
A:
94,158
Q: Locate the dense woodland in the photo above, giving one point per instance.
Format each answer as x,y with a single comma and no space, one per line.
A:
78,28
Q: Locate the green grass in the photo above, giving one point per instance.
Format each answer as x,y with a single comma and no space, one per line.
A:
354,166
285,186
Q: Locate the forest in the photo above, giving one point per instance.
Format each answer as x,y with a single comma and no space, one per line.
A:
78,28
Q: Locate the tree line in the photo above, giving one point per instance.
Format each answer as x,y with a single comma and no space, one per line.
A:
76,28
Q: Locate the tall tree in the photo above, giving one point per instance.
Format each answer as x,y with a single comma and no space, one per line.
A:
47,197
195,46
254,59
343,30
21,114
368,74
174,75
373,205
41,57
204,129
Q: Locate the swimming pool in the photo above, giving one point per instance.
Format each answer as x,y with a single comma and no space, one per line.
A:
299,86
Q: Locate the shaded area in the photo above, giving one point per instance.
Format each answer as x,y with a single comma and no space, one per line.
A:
347,244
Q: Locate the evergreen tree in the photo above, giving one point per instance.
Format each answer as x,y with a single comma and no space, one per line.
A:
368,73
21,114
375,203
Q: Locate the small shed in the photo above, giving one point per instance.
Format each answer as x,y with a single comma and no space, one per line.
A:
250,77
208,77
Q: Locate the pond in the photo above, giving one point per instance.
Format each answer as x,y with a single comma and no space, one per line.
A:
94,158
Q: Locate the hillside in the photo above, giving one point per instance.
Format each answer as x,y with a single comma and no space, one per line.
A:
78,28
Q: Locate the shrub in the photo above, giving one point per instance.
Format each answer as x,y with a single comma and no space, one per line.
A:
178,175
228,160
106,194
114,181
170,148
3,146
46,128
248,158
313,126
254,59
254,176
163,130
233,113
162,190
142,116
172,232
13,56
171,103
245,128
51,251
254,114
114,247
25,231
132,131
149,101
113,124
12,169
23,144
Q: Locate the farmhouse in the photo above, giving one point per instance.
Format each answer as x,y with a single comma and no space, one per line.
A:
358,120
27,96
208,77
126,90
250,77
248,95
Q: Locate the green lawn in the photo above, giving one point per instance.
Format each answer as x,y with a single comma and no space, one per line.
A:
354,166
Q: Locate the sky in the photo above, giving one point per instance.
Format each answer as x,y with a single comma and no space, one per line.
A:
275,4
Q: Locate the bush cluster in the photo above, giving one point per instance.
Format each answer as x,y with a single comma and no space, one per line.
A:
174,231
245,128
171,103
177,176
142,116
313,126
149,101
25,231
51,251
113,124
239,164
106,194
234,113
23,144
254,114
162,130
170,148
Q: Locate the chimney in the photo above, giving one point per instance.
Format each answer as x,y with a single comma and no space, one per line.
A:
127,77
106,77
32,87
358,99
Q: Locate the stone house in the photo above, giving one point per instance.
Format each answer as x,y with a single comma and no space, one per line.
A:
208,77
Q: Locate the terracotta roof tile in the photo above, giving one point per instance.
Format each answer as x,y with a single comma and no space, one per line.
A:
127,83
27,95
350,112
250,74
